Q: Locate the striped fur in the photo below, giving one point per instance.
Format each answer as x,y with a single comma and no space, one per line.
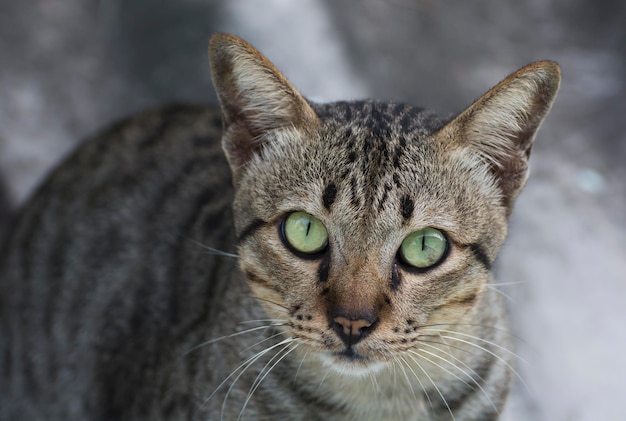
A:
125,280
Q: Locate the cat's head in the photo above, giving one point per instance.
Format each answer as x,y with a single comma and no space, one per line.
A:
361,222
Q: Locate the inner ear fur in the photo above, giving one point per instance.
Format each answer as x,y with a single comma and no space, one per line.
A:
500,126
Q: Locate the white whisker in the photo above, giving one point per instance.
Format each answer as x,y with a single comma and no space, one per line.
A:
248,363
260,342
274,322
375,384
502,293
485,341
501,284
435,385
324,378
430,402
421,352
214,251
265,371
465,373
232,335
494,355
295,378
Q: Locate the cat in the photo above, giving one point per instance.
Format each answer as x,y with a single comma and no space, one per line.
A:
323,262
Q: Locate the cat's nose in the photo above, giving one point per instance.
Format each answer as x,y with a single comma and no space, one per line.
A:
352,330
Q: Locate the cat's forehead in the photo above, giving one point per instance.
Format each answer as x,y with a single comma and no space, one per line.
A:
378,158
380,119
378,146
377,164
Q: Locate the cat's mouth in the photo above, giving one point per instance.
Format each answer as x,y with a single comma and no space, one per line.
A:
349,355
350,362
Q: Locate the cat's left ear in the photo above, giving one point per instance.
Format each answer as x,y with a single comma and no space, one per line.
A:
500,126
255,99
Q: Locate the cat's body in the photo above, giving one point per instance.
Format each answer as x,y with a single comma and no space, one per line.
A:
116,303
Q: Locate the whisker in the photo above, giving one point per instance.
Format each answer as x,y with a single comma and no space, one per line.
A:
268,301
466,374
494,355
232,335
502,284
254,358
420,353
499,329
257,382
502,293
395,377
375,384
214,251
485,341
399,362
435,386
277,322
260,342
295,378
426,341
243,367
430,402
324,378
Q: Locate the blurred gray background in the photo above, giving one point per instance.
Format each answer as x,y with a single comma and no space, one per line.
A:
70,67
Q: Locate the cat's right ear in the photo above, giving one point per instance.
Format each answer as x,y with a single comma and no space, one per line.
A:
500,126
255,99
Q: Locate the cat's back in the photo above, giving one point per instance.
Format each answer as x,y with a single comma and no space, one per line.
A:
98,267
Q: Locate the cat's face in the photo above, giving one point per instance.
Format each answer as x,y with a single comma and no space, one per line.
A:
400,232
363,224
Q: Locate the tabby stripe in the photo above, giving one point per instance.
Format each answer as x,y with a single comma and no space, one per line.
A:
189,170
396,278
355,193
329,195
324,269
468,299
253,277
250,229
406,207
480,255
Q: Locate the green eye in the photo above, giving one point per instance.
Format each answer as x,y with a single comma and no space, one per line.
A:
304,233
423,248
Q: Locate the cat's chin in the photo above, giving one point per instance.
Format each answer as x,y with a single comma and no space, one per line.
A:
351,364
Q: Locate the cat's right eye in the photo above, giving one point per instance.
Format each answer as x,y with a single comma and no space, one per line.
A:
424,248
304,233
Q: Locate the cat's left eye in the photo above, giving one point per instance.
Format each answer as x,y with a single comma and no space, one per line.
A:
424,248
304,233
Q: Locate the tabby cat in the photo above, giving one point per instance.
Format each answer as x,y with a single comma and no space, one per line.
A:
325,262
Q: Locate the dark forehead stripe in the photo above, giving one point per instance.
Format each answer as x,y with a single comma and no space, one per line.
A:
406,207
329,195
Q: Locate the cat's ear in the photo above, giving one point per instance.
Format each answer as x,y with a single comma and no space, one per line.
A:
500,126
255,98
